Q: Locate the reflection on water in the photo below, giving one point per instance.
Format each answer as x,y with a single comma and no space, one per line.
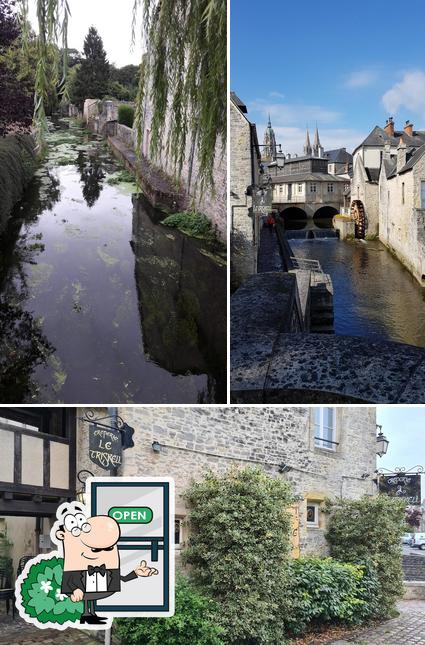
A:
374,295
92,312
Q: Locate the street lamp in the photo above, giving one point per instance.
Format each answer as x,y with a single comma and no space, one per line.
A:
81,494
381,443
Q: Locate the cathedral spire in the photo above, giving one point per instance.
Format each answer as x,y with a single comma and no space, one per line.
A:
307,146
318,150
270,148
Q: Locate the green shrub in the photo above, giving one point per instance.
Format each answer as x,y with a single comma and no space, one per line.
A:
192,624
370,530
17,166
326,591
41,594
238,547
191,223
126,115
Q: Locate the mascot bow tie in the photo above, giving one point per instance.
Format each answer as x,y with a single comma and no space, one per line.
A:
91,570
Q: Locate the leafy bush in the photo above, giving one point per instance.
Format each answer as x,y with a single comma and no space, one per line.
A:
17,166
41,594
369,530
326,591
191,223
126,115
192,624
238,547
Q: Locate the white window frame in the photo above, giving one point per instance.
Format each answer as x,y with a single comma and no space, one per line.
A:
313,188
300,188
320,436
330,188
315,523
179,545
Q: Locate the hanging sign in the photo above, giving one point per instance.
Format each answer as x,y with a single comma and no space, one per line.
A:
405,486
105,447
262,200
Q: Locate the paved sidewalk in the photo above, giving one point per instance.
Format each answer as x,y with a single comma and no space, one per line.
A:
18,632
407,629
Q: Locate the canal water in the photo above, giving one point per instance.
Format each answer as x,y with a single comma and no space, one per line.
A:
100,302
374,295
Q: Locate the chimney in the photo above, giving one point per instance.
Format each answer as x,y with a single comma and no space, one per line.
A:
408,128
401,154
389,127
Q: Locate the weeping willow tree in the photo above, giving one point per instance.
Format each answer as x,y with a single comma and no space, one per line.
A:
52,19
182,77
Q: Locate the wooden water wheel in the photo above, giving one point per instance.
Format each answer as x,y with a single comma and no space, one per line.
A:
359,217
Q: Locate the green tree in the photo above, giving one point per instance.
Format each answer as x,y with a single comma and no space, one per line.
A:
238,547
369,530
92,77
183,74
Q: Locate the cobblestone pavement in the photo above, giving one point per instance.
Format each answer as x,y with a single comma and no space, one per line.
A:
18,632
407,629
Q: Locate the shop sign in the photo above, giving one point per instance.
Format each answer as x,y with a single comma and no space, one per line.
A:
105,447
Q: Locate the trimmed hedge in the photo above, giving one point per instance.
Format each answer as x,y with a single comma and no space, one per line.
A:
17,166
323,591
194,622
126,115
369,530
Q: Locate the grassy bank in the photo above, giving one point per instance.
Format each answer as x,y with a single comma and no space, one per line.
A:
17,166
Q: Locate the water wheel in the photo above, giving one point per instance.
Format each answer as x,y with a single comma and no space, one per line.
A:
359,217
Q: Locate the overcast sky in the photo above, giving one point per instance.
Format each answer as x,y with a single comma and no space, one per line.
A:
113,22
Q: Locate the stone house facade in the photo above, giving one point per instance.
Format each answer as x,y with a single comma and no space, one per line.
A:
323,452
367,163
245,159
402,207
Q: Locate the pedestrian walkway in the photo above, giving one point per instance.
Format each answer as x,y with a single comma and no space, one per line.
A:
406,629
13,632
269,258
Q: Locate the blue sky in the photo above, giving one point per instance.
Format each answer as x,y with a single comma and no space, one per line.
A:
348,66
405,429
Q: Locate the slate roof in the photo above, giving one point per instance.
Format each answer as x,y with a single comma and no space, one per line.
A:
340,155
418,154
373,174
306,176
378,138
237,101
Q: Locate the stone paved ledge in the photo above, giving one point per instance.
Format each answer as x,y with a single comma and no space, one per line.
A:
269,365
406,629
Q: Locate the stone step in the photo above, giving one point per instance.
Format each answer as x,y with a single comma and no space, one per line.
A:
414,567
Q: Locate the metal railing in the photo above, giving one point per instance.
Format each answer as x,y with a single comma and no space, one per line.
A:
318,275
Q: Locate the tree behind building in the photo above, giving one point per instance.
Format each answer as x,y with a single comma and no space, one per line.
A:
92,77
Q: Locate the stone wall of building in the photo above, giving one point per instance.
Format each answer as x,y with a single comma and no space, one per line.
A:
368,193
244,247
401,220
194,440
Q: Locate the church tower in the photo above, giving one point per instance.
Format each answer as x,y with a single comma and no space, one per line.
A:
269,150
307,146
318,150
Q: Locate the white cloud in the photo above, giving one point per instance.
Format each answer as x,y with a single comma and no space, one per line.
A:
362,78
293,138
276,95
283,114
408,93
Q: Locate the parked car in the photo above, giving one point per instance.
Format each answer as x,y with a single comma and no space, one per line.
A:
406,538
418,541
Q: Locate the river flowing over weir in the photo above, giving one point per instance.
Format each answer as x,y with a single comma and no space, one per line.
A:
374,295
100,301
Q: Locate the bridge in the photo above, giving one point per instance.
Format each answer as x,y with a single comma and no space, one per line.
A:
302,210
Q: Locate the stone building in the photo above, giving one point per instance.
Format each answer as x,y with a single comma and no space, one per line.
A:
367,162
245,167
323,452
389,183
